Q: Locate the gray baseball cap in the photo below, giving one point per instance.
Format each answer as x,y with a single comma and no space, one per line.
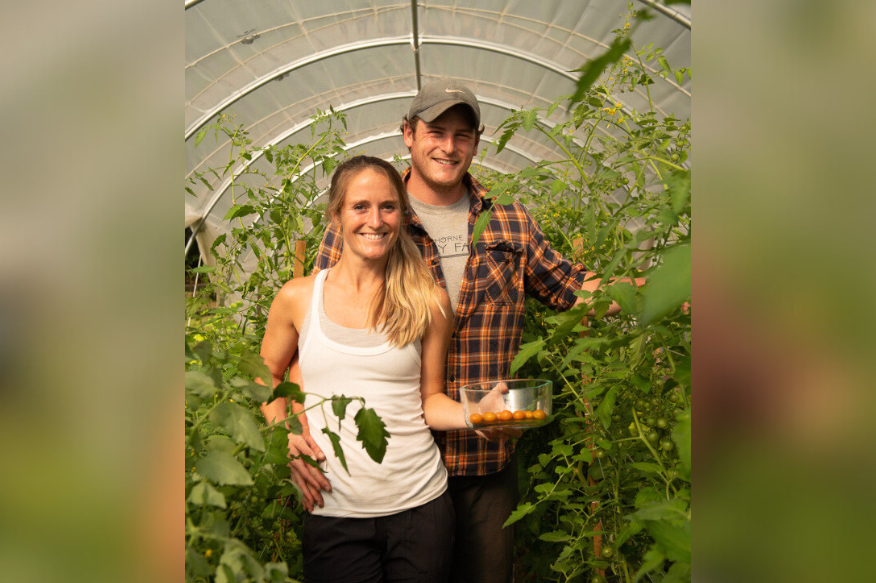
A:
436,97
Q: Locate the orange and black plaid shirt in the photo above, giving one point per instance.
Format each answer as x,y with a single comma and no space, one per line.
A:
511,259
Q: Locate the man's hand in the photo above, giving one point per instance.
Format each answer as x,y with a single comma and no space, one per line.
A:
308,478
495,401
499,433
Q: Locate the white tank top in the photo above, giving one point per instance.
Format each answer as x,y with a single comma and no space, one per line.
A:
388,378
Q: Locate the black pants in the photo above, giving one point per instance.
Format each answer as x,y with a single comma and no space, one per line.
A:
483,551
409,547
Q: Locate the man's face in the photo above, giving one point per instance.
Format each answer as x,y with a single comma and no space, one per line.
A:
442,150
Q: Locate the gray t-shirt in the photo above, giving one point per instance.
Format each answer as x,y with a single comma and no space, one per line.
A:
448,227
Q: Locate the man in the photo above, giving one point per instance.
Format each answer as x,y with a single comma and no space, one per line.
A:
487,286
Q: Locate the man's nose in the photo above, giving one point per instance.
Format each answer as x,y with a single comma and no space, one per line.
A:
448,144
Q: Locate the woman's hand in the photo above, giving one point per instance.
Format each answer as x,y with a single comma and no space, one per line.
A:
309,479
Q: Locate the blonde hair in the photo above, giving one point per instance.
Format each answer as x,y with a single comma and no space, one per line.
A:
402,306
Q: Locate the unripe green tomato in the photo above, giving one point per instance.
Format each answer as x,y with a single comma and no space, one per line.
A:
607,552
662,423
666,445
653,437
650,421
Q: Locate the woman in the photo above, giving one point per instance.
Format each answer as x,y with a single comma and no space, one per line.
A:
374,326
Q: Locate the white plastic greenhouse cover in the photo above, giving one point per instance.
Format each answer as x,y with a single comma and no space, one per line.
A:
272,64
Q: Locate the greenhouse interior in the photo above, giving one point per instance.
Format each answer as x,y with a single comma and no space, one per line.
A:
585,108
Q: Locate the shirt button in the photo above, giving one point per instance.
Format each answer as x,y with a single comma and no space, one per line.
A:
451,378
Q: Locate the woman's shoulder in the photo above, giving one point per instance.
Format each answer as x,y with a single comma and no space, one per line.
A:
441,303
296,290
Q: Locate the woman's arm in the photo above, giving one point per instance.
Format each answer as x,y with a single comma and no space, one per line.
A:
441,412
279,351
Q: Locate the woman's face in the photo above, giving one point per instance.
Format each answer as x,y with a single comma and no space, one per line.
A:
370,216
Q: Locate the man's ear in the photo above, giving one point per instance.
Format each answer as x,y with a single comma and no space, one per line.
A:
408,134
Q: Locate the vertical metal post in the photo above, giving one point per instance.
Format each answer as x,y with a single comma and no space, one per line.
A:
416,41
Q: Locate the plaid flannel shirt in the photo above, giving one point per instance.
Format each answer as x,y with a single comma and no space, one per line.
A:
511,259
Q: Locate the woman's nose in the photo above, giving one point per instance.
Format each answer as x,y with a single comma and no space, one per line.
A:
374,218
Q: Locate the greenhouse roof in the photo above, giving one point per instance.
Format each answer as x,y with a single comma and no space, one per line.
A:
273,65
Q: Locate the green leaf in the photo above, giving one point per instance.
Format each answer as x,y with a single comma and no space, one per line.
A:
556,536
255,391
204,494
339,407
506,135
200,136
566,322
479,226
606,407
289,391
196,564
674,538
221,467
668,286
202,269
557,186
615,261
336,445
679,572
239,423
652,560
642,384
239,210
519,513
625,295
681,437
632,529
200,384
660,510
646,467
591,71
664,64
678,184
504,199
529,118
526,352
253,365
372,433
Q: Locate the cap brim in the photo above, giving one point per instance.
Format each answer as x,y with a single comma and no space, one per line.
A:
430,114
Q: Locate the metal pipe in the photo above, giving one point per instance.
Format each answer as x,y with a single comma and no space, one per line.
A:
416,42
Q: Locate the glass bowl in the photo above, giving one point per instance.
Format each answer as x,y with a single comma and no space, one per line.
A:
518,403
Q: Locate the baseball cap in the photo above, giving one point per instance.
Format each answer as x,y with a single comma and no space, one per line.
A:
436,97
